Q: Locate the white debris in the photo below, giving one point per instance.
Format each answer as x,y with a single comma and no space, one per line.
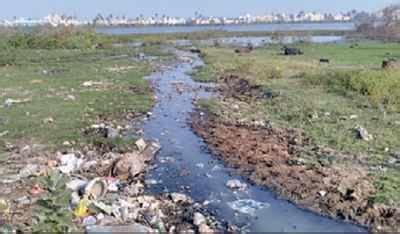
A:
236,185
10,102
69,163
248,206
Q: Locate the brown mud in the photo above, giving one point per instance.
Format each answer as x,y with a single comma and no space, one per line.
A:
272,157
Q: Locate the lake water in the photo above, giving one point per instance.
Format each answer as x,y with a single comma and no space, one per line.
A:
227,28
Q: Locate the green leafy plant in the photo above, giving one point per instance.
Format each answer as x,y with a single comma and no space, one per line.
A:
52,213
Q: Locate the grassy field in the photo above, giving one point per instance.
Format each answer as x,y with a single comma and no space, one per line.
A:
56,103
327,101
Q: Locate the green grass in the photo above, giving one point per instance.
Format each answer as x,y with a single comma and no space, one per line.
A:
321,98
388,187
48,78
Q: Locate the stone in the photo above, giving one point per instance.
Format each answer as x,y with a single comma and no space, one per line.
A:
363,134
199,219
29,170
236,185
179,197
129,165
204,228
141,144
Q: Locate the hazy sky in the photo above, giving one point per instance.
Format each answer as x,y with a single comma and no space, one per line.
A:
89,8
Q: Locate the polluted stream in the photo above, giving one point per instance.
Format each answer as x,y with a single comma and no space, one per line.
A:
185,164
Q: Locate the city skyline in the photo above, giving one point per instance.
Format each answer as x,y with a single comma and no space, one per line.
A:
180,8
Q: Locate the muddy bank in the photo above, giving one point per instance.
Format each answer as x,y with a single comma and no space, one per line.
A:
271,157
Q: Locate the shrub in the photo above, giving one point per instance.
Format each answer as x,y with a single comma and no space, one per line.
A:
381,87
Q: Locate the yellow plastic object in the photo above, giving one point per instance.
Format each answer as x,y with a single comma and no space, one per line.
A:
82,209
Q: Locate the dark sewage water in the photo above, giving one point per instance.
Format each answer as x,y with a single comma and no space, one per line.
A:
185,165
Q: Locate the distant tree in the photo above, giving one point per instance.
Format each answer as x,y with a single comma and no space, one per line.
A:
385,25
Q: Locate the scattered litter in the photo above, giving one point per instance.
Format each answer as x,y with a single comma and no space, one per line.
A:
82,209
103,207
36,190
353,116
248,206
10,102
322,193
132,228
113,186
200,165
23,201
77,184
89,221
91,83
95,189
69,163
236,185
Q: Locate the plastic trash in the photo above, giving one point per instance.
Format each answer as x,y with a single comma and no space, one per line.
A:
248,206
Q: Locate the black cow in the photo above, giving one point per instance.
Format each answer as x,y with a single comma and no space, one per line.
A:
292,51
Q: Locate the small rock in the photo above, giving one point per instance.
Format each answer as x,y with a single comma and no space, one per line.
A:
141,144
179,197
199,219
48,120
236,185
130,164
363,134
204,228
29,170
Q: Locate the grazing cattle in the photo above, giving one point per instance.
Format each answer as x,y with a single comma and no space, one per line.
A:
195,50
244,50
292,51
324,60
391,64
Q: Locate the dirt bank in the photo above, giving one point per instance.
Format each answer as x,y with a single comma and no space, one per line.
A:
271,157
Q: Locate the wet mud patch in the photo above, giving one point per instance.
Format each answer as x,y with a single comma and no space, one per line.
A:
271,157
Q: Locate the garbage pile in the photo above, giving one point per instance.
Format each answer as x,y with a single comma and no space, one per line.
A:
107,193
